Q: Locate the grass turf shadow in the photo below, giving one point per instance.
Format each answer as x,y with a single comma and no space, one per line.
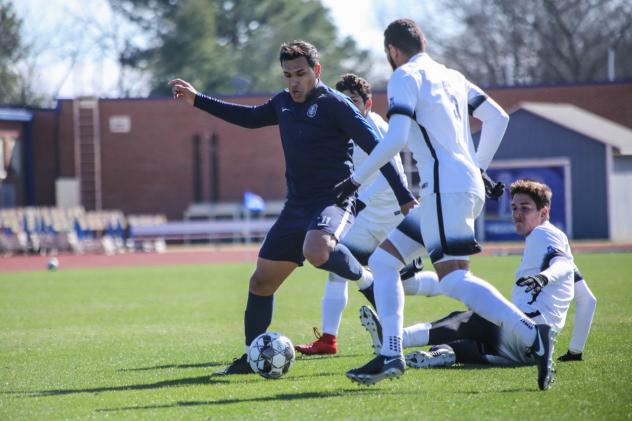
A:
146,386
167,366
277,397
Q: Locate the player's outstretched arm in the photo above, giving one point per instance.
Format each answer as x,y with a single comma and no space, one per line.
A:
241,115
381,155
585,305
495,121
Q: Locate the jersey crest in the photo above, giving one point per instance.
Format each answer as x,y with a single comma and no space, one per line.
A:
311,111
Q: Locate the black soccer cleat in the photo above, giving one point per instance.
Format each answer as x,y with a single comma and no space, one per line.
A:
542,351
369,294
379,368
238,366
411,269
570,356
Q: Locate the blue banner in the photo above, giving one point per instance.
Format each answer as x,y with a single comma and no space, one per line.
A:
498,223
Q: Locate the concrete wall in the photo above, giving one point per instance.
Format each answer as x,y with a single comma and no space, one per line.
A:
529,136
621,188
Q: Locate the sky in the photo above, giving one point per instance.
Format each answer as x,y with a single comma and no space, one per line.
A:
56,31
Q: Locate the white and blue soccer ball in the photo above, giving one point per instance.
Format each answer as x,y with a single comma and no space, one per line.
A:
53,263
271,355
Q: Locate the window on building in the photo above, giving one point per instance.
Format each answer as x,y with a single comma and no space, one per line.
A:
13,155
3,163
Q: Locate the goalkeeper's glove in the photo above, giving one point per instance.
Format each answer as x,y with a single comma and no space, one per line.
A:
534,285
493,189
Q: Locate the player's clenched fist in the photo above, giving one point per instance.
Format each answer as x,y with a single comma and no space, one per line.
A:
182,89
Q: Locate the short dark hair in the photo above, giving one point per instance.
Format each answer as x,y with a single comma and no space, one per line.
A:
539,192
354,83
405,35
296,49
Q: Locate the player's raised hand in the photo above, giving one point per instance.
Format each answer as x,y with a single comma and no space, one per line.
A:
182,89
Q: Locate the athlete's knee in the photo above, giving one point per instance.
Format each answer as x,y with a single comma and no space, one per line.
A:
261,285
318,249
451,283
446,267
317,256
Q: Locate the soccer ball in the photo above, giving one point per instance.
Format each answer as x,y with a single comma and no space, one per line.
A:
271,355
53,263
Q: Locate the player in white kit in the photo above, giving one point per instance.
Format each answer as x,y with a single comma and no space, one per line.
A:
428,107
379,215
546,281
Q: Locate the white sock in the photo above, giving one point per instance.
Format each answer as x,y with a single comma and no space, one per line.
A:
334,302
417,335
423,283
389,298
485,300
366,280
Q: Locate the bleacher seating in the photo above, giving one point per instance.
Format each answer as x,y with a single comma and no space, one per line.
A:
49,230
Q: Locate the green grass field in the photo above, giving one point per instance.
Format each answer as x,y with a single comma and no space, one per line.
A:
140,343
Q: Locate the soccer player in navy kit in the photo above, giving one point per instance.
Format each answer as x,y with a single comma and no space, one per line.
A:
316,125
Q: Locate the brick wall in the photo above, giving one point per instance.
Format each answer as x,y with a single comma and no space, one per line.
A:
150,169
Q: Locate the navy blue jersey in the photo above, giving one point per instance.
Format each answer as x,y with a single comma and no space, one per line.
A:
316,137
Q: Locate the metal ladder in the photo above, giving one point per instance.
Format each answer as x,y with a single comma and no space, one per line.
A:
88,151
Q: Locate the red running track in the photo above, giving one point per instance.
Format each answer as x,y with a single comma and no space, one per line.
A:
245,254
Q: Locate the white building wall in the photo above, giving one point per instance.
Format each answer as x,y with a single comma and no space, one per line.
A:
621,199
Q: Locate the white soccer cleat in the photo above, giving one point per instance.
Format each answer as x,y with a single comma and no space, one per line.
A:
371,323
441,357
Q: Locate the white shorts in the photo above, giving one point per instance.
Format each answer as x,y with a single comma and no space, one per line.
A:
447,225
511,350
368,230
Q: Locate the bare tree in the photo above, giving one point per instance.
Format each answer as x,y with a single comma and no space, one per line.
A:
504,42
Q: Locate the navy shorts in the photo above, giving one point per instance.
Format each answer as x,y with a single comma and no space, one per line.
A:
285,239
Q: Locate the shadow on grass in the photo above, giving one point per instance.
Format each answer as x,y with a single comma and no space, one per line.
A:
278,397
201,380
157,385
302,357
166,366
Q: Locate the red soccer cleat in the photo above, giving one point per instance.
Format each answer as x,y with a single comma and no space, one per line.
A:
323,345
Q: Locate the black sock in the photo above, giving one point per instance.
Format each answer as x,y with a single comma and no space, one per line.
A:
369,294
258,315
343,263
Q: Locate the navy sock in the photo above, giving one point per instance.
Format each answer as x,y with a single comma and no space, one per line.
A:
343,263
258,315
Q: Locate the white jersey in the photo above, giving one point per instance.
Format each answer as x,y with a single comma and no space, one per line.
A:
438,99
546,247
375,191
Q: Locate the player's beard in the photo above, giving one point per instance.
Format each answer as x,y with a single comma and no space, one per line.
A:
391,61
